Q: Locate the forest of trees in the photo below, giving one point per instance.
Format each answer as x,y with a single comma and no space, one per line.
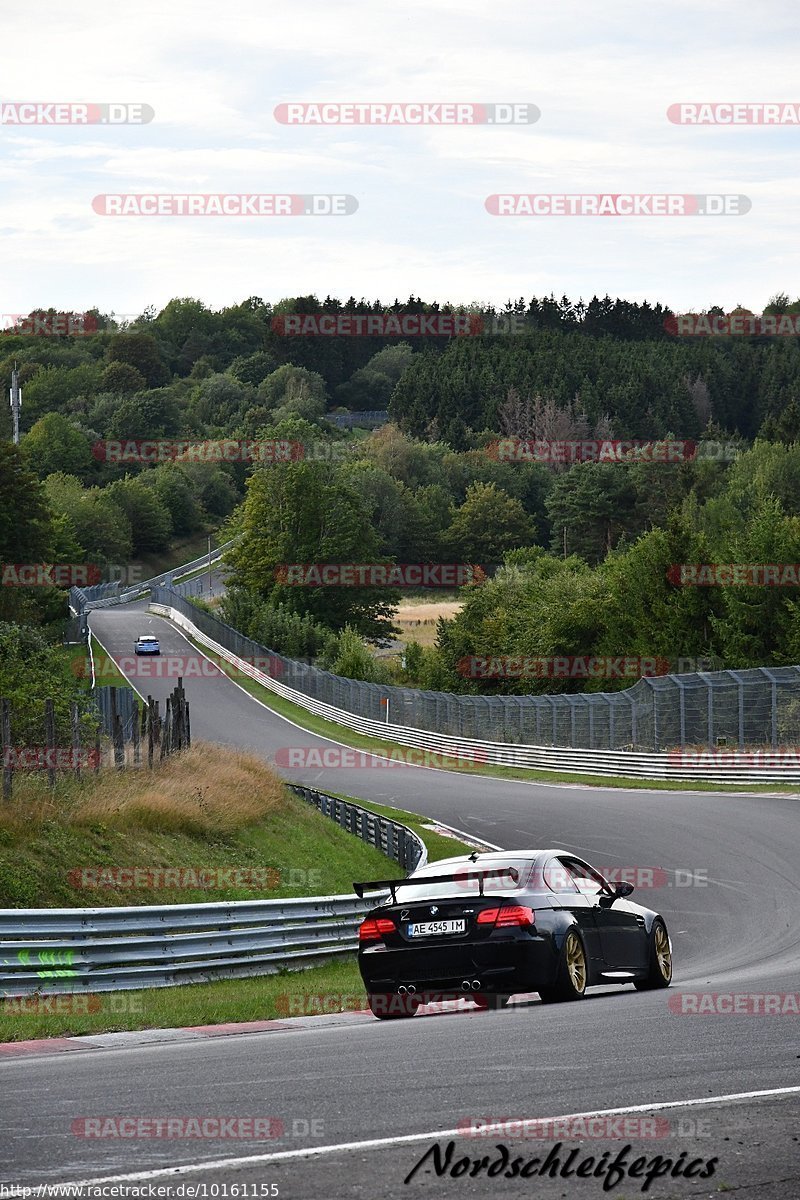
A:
577,554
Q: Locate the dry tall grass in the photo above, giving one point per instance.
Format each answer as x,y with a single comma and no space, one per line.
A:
206,790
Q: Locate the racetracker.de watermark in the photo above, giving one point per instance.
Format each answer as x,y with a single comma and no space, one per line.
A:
523,666
158,450
735,1004
734,325
615,204
391,575
48,758
348,758
224,204
62,112
176,666
602,450
735,574
47,324
391,324
452,112
567,1129
190,878
765,760
734,112
58,575
71,1004
256,1128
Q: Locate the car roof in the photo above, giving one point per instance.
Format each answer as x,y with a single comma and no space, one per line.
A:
494,857
484,860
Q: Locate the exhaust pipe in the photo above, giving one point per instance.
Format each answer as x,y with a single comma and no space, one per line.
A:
411,989
401,991
476,985
466,986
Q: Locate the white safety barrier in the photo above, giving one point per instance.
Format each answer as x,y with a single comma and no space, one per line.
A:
729,766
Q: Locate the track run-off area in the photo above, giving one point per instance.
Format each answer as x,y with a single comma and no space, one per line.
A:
361,1101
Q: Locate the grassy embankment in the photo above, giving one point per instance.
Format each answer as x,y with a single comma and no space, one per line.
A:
211,808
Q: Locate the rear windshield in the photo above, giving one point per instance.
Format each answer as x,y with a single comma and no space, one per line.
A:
497,880
148,639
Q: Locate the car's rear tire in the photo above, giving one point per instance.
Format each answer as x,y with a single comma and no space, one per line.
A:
659,974
491,1000
388,1006
572,975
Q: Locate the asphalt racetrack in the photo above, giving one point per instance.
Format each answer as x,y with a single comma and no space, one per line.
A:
362,1102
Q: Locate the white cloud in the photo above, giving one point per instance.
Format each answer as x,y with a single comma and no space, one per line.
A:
602,76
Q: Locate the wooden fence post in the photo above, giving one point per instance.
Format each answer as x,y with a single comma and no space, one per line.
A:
116,733
50,741
166,731
5,743
76,737
150,732
137,747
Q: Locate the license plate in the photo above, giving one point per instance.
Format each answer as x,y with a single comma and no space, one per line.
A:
431,928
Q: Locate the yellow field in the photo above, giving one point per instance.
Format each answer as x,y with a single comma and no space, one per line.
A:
418,619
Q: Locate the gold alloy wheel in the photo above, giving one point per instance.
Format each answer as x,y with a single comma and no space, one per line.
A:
663,953
576,963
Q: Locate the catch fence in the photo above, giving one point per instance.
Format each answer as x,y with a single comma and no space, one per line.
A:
736,710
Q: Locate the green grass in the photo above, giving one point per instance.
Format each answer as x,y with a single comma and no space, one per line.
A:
208,809
334,987
106,670
305,854
339,733
179,553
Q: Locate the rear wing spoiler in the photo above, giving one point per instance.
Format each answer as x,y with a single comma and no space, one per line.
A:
375,885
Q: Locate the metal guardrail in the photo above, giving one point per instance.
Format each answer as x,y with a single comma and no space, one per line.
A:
80,950
667,727
104,595
758,707
396,841
763,766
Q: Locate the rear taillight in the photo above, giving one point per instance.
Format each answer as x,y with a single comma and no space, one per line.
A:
371,930
513,914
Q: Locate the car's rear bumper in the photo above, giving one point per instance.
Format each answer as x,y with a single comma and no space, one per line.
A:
505,966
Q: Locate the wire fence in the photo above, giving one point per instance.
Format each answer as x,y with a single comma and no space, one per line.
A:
759,707
371,418
104,595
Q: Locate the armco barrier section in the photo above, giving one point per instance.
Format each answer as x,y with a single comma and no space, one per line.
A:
80,950
758,707
104,595
682,764
396,841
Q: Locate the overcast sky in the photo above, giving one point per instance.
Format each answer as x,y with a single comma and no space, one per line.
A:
603,76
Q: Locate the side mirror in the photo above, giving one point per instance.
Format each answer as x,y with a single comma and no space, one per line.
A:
618,890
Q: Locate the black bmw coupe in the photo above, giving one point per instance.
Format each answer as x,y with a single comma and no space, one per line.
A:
488,926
